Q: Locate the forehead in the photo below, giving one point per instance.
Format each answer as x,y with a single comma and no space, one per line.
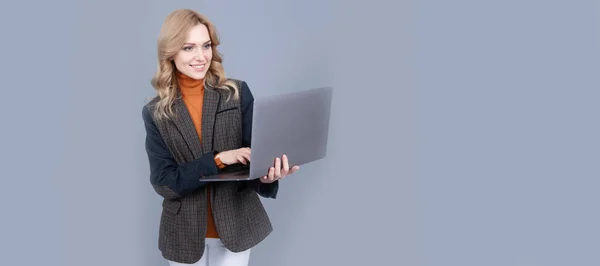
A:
198,34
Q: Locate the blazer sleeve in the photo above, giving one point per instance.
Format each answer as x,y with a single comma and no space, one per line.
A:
169,179
247,105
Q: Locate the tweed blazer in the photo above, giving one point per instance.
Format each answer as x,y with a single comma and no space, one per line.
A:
177,161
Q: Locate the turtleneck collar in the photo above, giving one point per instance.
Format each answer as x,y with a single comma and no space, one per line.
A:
190,86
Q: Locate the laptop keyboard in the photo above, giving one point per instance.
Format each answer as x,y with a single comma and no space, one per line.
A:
236,168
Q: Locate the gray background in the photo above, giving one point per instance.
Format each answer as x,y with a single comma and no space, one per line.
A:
463,132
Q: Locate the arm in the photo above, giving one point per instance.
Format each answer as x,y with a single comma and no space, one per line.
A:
169,179
265,190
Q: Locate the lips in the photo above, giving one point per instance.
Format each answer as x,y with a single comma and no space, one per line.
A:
198,67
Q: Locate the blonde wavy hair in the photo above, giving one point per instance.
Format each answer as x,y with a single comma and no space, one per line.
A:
171,38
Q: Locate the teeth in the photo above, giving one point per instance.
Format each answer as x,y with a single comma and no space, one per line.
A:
198,67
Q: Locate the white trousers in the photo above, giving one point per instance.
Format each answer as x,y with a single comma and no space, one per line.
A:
216,254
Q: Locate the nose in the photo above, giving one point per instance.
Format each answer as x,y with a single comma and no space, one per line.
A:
200,56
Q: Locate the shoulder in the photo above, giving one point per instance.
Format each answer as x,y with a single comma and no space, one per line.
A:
241,84
244,89
148,109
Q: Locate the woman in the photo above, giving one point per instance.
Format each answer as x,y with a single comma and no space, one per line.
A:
198,124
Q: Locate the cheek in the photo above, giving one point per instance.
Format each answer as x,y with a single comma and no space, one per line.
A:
184,58
181,63
178,60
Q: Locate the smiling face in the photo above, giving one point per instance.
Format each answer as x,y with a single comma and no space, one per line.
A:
193,60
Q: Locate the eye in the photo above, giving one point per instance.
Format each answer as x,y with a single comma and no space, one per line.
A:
187,48
207,46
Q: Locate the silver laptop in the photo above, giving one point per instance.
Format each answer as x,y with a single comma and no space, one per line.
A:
295,124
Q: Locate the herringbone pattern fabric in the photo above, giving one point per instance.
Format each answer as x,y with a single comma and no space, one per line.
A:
240,217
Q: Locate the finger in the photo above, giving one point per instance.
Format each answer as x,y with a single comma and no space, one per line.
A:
242,152
277,167
294,169
246,157
246,152
241,159
286,165
271,173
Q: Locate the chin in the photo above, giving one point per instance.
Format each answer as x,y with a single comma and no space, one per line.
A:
199,76
196,75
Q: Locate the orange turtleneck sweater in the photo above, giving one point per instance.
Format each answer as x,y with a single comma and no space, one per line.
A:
192,92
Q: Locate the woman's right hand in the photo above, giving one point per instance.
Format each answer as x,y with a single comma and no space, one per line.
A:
241,155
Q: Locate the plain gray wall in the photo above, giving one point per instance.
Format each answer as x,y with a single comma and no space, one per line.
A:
462,133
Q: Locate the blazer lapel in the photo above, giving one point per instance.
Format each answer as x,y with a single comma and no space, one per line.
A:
212,98
185,125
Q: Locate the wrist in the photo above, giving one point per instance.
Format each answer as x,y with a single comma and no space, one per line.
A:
218,161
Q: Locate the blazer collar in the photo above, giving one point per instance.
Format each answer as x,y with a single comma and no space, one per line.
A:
185,125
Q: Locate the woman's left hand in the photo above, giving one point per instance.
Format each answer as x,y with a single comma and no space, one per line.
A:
279,171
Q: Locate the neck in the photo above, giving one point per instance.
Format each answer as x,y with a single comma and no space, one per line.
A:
189,86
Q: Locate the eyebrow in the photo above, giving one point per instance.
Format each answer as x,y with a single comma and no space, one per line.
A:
189,43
